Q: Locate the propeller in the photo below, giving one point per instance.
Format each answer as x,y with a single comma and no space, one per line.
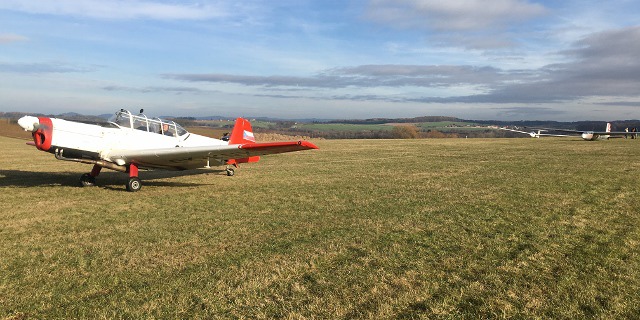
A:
29,123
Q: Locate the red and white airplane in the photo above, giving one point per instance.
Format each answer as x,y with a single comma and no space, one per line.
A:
130,142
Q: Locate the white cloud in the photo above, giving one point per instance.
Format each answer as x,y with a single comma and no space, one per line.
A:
8,38
469,15
116,9
40,68
602,64
470,24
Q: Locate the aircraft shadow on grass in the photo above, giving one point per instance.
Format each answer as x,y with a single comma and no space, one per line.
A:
106,180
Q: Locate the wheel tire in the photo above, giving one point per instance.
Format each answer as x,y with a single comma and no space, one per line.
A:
86,180
134,185
230,172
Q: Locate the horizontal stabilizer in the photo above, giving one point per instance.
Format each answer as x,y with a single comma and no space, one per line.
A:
277,147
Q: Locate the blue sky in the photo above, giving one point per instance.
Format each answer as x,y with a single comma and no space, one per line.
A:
473,59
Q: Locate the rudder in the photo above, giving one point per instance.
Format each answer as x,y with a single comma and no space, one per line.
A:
242,133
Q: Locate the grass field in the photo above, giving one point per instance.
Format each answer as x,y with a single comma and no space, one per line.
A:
405,229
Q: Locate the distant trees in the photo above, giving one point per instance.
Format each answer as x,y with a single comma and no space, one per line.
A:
399,120
435,134
405,132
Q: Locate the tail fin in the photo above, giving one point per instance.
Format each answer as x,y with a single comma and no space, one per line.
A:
242,134
608,126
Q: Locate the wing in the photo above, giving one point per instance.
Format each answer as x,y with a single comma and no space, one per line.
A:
182,158
576,132
556,135
538,133
614,133
513,130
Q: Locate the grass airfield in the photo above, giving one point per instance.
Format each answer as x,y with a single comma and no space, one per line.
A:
433,228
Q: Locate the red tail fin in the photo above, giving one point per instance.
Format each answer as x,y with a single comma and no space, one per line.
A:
241,134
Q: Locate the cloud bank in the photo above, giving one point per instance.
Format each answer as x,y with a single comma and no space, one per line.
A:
117,9
602,64
473,24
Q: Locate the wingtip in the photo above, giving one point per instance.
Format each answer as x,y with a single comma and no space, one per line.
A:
307,144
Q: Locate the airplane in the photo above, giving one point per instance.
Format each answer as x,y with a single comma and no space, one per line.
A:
586,135
536,133
129,142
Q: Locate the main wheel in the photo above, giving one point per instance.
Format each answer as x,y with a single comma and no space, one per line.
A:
134,184
230,172
86,180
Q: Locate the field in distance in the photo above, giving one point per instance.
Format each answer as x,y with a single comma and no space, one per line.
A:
354,130
478,228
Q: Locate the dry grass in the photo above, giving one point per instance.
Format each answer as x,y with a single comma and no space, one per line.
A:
11,129
449,228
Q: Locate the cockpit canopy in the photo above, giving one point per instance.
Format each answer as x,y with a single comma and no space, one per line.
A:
124,119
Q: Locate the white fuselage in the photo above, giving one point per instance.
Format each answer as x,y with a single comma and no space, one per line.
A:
91,140
590,136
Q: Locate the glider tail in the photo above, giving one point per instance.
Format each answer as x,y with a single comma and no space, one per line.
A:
242,134
608,126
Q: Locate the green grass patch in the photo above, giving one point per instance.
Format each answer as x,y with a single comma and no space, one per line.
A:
444,124
451,126
440,228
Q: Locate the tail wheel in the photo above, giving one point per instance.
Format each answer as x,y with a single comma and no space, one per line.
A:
134,184
230,172
86,180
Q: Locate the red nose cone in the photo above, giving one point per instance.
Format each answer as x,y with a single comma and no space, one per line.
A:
42,136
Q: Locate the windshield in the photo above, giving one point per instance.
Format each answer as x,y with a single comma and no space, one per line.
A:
171,128
122,118
125,119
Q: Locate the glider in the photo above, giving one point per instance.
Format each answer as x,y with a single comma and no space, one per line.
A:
536,133
130,142
586,135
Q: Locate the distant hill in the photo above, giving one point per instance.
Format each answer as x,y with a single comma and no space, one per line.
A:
67,116
363,128
401,120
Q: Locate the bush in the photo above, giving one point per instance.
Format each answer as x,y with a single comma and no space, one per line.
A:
405,132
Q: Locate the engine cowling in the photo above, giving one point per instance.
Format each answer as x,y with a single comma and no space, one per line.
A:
43,134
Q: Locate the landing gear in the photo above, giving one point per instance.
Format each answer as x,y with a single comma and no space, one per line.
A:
86,180
89,179
230,172
134,184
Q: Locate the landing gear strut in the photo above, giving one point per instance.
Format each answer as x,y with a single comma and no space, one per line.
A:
86,180
134,183
89,179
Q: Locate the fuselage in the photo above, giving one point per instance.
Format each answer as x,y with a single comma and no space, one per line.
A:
124,131
129,142
591,136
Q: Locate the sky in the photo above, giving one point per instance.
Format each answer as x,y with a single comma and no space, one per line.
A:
473,59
